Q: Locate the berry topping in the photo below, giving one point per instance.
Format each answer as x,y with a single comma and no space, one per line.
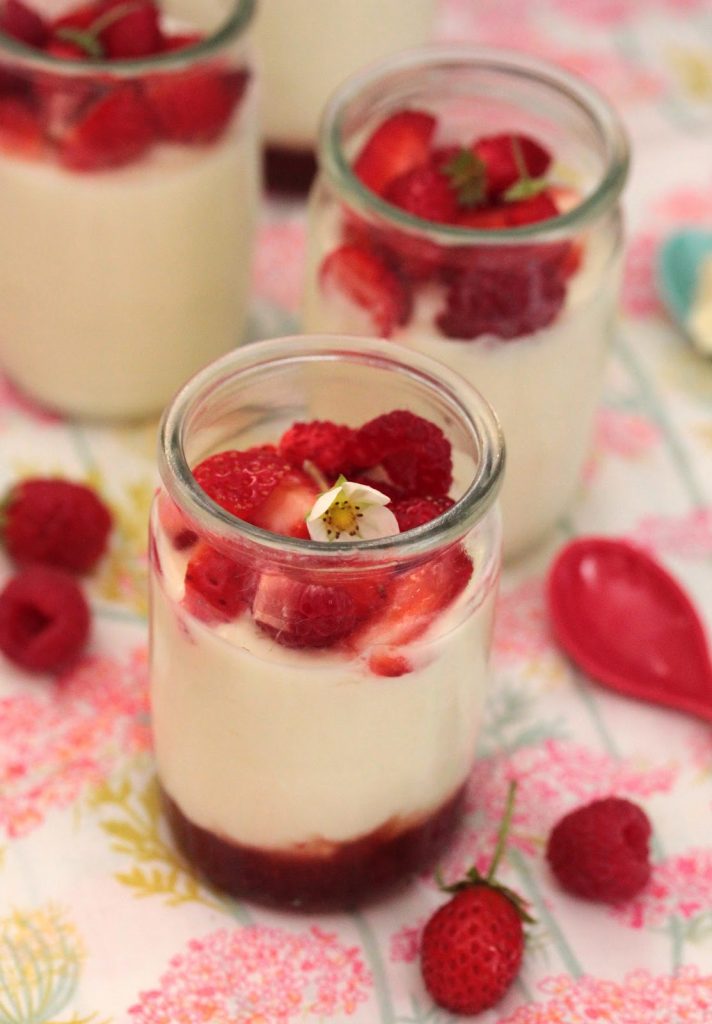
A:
44,619
55,522
425,191
400,143
131,30
414,452
412,512
505,298
300,614
364,278
20,129
179,532
113,131
323,444
194,107
217,587
21,22
509,159
415,598
260,486
600,851
472,946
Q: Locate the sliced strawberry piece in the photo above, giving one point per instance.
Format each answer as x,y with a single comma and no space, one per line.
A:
425,191
21,22
299,614
195,107
509,157
413,512
400,143
135,33
20,129
483,218
327,445
180,41
81,17
113,131
218,588
364,278
60,96
415,454
286,509
416,598
532,209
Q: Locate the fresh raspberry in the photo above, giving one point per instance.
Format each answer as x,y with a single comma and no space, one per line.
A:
260,486
398,144
472,947
508,158
412,512
600,851
116,129
425,191
364,277
301,614
507,301
327,445
218,587
413,451
21,22
194,107
44,619
55,522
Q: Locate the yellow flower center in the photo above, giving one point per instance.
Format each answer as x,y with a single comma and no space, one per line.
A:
342,517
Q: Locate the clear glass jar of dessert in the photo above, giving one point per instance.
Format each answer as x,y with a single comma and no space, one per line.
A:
306,48
467,207
316,704
128,187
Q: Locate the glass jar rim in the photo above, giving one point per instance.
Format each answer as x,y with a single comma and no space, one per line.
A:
583,94
37,60
462,398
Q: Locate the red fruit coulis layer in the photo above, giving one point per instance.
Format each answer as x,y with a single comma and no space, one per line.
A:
355,873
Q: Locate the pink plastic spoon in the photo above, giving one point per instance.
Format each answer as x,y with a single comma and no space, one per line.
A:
624,619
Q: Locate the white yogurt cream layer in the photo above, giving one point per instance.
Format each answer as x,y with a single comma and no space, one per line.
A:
277,748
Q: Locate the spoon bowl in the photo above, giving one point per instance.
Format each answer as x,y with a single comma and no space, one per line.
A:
679,262
629,624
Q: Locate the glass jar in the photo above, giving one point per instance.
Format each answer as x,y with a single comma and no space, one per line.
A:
128,190
319,772
306,47
524,311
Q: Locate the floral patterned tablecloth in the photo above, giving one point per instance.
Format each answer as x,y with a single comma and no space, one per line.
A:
99,919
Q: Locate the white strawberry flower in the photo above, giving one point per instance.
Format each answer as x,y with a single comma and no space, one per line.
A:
351,511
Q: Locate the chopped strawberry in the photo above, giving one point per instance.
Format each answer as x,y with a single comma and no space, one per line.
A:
425,191
508,158
531,209
483,218
413,512
327,445
113,131
416,598
135,32
174,524
21,22
260,486
20,129
82,17
218,588
389,664
179,41
415,454
363,277
194,107
299,614
61,97
400,143
64,49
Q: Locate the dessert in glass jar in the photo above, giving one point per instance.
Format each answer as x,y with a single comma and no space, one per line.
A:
128,188
306,48
467,208
325,552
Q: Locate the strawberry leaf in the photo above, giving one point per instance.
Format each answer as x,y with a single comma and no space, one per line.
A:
468,177
82,38
525,188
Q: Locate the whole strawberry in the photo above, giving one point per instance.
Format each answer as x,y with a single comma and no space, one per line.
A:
472,947
55,522
600,851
